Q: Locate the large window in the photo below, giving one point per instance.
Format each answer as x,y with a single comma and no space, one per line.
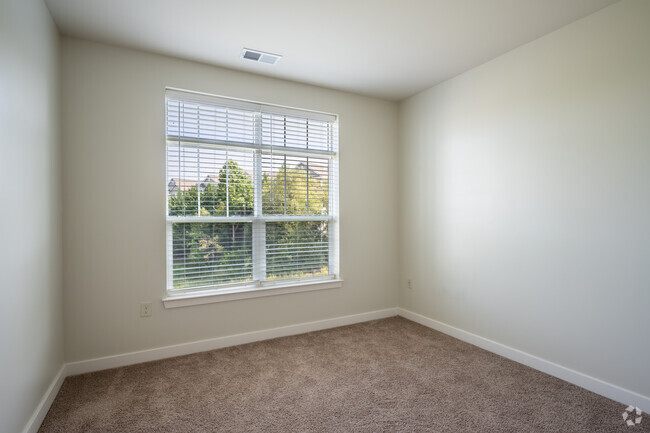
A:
252,193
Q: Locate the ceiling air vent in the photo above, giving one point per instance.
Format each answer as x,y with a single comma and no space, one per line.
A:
260,56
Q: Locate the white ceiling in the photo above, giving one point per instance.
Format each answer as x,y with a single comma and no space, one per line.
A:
385,48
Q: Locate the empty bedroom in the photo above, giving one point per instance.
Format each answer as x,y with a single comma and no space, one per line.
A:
343,216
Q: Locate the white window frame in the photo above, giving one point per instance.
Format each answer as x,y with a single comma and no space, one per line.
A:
259,287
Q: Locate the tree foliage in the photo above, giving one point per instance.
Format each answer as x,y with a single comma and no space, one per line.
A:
290,187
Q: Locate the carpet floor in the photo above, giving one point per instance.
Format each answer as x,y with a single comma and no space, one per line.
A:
389,375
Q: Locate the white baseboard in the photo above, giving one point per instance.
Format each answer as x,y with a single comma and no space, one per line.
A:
38,416
114,361
590,383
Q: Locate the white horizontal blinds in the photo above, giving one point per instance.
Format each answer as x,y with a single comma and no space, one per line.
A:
198,120
296,182
281,130
206,178
295,185
251,192
209,254
209,181
296,249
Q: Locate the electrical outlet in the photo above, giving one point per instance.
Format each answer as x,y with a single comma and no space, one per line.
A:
409,283
145,309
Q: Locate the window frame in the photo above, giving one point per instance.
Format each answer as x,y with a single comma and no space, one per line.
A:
259,286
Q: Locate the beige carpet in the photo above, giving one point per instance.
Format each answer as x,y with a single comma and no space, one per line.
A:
389,375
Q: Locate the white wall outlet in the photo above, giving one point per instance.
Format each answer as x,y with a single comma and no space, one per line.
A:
145,309
409,283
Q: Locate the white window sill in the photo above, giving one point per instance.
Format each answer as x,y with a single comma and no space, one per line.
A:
223,295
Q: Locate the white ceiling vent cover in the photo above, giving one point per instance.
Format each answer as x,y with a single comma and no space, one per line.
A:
260,56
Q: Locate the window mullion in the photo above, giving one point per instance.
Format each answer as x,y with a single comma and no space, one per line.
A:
259,226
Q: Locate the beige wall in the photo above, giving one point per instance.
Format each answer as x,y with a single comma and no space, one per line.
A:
31,331
114,202
525,198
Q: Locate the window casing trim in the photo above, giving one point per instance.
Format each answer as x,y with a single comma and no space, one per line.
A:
198,297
